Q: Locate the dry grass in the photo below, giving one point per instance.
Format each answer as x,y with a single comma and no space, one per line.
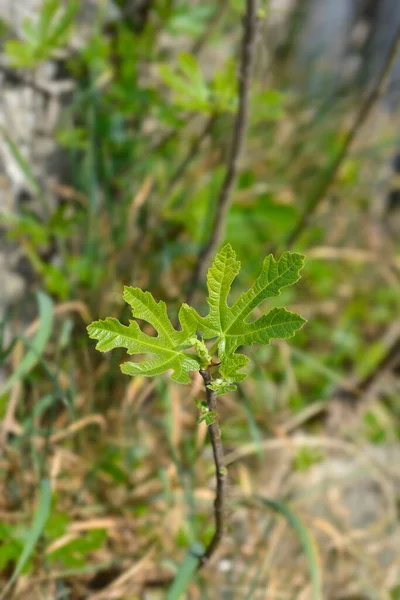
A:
148,508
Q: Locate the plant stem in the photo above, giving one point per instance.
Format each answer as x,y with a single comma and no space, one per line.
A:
191,155
324,184
220,472
235,149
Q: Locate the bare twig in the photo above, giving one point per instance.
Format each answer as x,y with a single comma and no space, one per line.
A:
235,149
220,472
137,13
388,362
323,185
167,137
211,27
48,89
20,78
190,156
173,181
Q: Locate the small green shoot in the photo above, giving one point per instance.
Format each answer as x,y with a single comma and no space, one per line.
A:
226,325
42,38
221,386
206,414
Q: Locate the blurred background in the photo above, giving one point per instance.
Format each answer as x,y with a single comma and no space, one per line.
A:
115,122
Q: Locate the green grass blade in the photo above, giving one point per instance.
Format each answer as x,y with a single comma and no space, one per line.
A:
185,572
306,540
251,422
21,161
39,522
38,344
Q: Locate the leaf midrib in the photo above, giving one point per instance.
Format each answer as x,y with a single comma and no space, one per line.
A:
266,327
161,326
255,298
157,347
173,363
220,299
170,361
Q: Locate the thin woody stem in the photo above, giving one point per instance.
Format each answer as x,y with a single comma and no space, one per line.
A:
220,472
235,149
191,155
324,185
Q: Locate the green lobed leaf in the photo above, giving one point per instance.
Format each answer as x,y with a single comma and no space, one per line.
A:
220,386
230,367
167,346
229,323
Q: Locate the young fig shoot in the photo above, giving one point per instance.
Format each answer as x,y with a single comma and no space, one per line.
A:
181,351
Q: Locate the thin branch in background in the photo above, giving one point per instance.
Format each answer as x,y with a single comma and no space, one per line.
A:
190,156
15,77
220,472
344,403
174,179
324,184
136,13
211,27
167,137
235,149
389,362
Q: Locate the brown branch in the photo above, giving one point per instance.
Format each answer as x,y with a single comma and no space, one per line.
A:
212,26
388,362
15,76
235,149
190,156
220,472
345,402
324,184
360,389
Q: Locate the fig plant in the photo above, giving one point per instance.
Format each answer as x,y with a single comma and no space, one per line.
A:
182,351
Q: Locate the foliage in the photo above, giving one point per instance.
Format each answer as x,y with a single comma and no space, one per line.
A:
144,136
192,92
206,415
31,536
167,346
37,346
221,386
227,324
74,552
44,37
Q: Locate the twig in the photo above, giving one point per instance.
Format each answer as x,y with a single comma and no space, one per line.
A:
388,362
47,89
344,403
137,13
16,77
211,27
190,156
235,149
324,184
174,179
220,472
167,137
